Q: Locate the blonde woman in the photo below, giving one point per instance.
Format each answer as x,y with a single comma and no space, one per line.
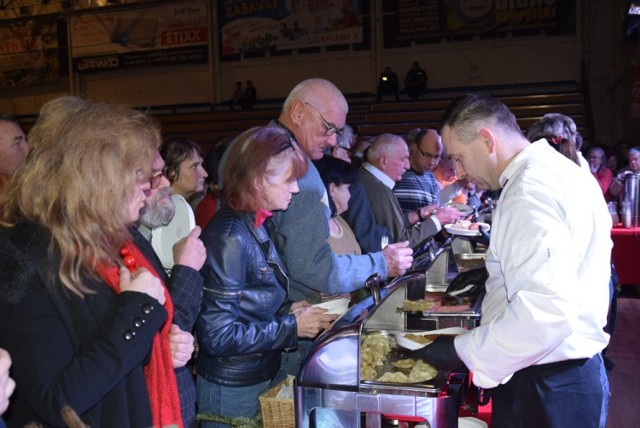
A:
83,317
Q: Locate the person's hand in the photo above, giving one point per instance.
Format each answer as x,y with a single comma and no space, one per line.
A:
398,257
299,305
448,215
441,353
485,236
7,385
616,186
310,321
474,279
190,251
142,281
181,345
426,211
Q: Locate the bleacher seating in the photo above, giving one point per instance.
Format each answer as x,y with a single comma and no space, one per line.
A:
207,127
206,123
402,117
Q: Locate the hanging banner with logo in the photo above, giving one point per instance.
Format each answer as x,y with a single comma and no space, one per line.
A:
29,53
263,25
163,35
421,20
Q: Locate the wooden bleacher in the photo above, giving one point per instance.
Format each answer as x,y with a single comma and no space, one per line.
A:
402,117
371,118
207,127
206,124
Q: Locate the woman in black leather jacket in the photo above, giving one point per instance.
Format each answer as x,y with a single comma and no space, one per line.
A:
246,319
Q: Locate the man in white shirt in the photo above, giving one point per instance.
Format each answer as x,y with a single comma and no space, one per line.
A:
538,348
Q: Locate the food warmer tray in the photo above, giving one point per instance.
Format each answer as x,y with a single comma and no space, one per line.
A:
329,391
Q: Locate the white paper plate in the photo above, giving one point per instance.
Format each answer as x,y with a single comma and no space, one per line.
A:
465,232
164,237
335,306
471,422
412,346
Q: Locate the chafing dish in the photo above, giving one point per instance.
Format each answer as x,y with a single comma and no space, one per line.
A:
329,390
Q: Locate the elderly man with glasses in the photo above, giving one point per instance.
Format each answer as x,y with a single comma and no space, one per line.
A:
418,191
314,114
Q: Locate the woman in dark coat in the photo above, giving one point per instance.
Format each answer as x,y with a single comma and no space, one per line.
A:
84,319
246,320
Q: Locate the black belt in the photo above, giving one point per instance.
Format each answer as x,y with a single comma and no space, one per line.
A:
485,394
565,364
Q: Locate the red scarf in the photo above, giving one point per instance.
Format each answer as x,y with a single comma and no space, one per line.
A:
161,379
261,216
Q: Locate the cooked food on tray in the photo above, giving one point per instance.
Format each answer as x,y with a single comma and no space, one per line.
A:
420,372
422,339
417,305
451,306
405,363
373,353
375,357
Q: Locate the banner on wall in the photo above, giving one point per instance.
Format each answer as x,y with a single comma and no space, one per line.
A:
163,35
416,20
260,25
29,53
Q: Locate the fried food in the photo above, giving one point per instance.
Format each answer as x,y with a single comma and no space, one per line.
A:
422,339
419,372
395,377
373,353
422,372
417,305
406,363
367,372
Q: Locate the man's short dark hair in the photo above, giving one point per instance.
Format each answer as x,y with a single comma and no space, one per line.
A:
6,117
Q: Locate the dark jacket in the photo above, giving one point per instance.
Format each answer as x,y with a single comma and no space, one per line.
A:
185,289
70,351
244,322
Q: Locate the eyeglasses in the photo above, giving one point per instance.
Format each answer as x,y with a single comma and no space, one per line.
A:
330,129
156,180
429,155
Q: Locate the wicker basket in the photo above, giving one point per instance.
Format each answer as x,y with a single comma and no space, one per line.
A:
277,412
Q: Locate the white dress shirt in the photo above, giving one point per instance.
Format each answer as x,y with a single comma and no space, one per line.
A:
547,294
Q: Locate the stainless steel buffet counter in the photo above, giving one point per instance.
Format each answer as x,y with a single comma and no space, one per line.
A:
332,389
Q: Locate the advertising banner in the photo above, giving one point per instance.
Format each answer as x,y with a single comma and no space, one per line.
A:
416,20
163,35
29,53
262,25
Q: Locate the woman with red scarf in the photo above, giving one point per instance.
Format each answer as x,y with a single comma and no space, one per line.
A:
82,312
246,319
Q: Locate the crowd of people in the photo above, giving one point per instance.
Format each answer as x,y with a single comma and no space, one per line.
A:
94,328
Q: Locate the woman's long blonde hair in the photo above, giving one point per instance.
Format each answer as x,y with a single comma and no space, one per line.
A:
81,171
